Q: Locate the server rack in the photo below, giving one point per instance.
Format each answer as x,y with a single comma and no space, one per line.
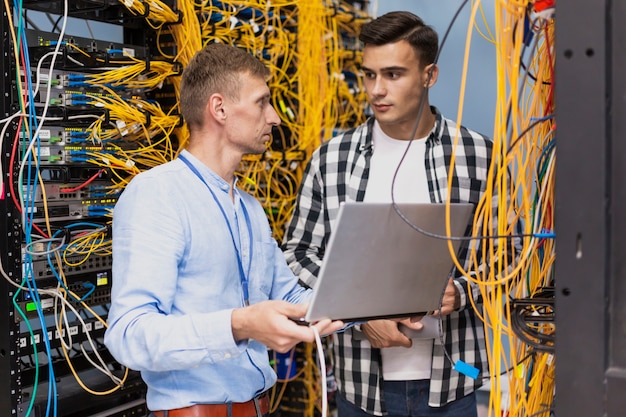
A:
35,380
38,384
591,219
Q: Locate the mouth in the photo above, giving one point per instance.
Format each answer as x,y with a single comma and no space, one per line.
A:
381,107
267,138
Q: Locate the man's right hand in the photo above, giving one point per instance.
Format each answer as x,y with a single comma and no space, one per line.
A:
270,322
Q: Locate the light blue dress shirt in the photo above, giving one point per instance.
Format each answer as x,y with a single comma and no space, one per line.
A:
176,281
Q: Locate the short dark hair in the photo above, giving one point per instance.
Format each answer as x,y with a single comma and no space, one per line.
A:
402,25
216,68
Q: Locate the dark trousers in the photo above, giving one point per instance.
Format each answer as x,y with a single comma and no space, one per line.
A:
410,399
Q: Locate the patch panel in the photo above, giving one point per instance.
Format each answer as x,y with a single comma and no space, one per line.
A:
71,211
77,330
66,154
79,56
65,92
40,268
67,191
89,293
61,136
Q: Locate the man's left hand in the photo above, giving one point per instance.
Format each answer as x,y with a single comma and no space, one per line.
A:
451,300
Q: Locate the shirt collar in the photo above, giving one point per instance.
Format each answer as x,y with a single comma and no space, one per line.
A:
437,131
207,173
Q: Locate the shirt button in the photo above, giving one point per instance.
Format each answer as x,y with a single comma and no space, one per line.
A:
227,355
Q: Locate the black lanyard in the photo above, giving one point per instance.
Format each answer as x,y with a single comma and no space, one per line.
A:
242,274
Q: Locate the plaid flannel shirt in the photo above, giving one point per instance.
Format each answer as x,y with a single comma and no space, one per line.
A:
338,171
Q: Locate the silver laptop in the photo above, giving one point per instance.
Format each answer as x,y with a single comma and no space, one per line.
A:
377,266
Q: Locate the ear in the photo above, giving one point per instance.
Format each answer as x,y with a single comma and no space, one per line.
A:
430,74
215,108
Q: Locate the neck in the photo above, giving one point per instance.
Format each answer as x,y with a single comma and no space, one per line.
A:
217,160
426,123
403,130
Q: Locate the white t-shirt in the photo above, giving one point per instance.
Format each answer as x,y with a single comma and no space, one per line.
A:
411,186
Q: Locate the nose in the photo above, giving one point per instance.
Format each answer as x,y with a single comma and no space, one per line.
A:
377,87
272,117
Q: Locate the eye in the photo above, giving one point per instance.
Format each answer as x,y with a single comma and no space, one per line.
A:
369,75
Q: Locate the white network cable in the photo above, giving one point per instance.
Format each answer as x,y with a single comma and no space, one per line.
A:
322,363
59,297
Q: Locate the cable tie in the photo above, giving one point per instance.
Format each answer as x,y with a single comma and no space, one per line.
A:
146,12
179,18
177,67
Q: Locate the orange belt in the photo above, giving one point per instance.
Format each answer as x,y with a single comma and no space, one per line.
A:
247,409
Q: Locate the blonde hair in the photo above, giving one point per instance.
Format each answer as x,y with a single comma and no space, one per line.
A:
216,68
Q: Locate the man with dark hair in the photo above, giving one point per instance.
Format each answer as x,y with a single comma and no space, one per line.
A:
200,287
380,370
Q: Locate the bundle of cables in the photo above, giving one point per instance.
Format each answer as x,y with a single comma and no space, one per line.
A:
532,319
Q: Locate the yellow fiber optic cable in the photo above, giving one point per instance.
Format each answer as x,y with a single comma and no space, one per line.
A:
156,13
514,172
